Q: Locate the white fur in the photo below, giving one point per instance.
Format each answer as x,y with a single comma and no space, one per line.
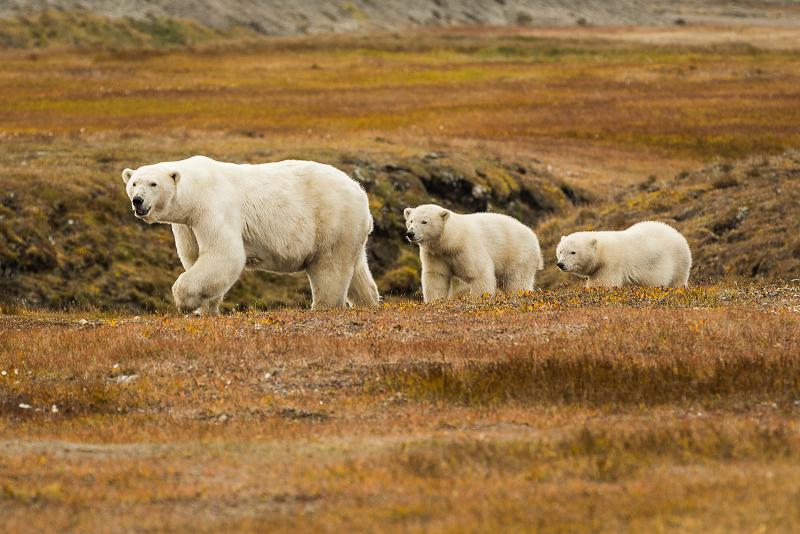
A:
646,254
282,217
486,251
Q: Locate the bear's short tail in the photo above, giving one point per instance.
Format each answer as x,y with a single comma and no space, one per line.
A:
363,291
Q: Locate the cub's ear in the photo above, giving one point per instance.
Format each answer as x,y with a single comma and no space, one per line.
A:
444,215
593,243
563,237
126,175
176,176
407,212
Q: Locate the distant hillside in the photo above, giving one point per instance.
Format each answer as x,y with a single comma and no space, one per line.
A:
285,17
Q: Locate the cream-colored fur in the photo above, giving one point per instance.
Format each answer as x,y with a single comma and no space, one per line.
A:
282,217
647,254
485,251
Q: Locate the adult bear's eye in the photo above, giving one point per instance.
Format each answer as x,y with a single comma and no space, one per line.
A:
424,222
573,252
153,184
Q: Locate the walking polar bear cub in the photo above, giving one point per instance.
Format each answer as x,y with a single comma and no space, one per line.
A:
486,251
283,217
647,254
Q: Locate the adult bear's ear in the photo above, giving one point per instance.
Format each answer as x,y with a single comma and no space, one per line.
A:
407,212
176,176
593,243
444,215
126,175
563,237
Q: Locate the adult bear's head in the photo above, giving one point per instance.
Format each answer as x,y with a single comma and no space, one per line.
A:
152,191
425,224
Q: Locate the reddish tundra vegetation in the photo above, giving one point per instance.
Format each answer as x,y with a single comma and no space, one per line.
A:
575,409
560,409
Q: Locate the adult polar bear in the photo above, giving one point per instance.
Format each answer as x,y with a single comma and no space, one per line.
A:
284,217
486,251
648,253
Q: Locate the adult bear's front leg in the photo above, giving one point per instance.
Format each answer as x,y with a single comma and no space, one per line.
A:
219,265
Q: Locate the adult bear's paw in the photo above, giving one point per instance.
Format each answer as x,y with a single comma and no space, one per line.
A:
187,299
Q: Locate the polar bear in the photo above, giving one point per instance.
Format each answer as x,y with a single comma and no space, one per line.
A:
486,251
283,217
648,253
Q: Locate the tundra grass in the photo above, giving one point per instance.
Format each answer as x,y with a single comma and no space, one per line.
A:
690,102
570,410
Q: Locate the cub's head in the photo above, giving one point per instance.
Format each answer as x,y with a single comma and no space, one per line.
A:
425,224
151,189
577,254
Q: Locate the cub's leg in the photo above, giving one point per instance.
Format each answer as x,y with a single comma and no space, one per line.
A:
606,280
521,280
478,273
330,281
211,306
363,291
435,277
484,282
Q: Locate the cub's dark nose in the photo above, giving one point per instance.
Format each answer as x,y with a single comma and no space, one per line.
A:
410,234
560,265
137,202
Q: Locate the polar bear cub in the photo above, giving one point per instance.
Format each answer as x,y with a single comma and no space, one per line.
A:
646,254
486,251
283,217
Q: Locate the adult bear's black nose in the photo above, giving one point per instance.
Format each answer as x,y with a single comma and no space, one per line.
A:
137,202
410,234
560,265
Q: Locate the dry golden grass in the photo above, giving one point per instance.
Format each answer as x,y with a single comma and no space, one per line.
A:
509,92
640,409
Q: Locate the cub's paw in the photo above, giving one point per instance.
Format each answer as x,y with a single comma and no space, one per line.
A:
210,307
